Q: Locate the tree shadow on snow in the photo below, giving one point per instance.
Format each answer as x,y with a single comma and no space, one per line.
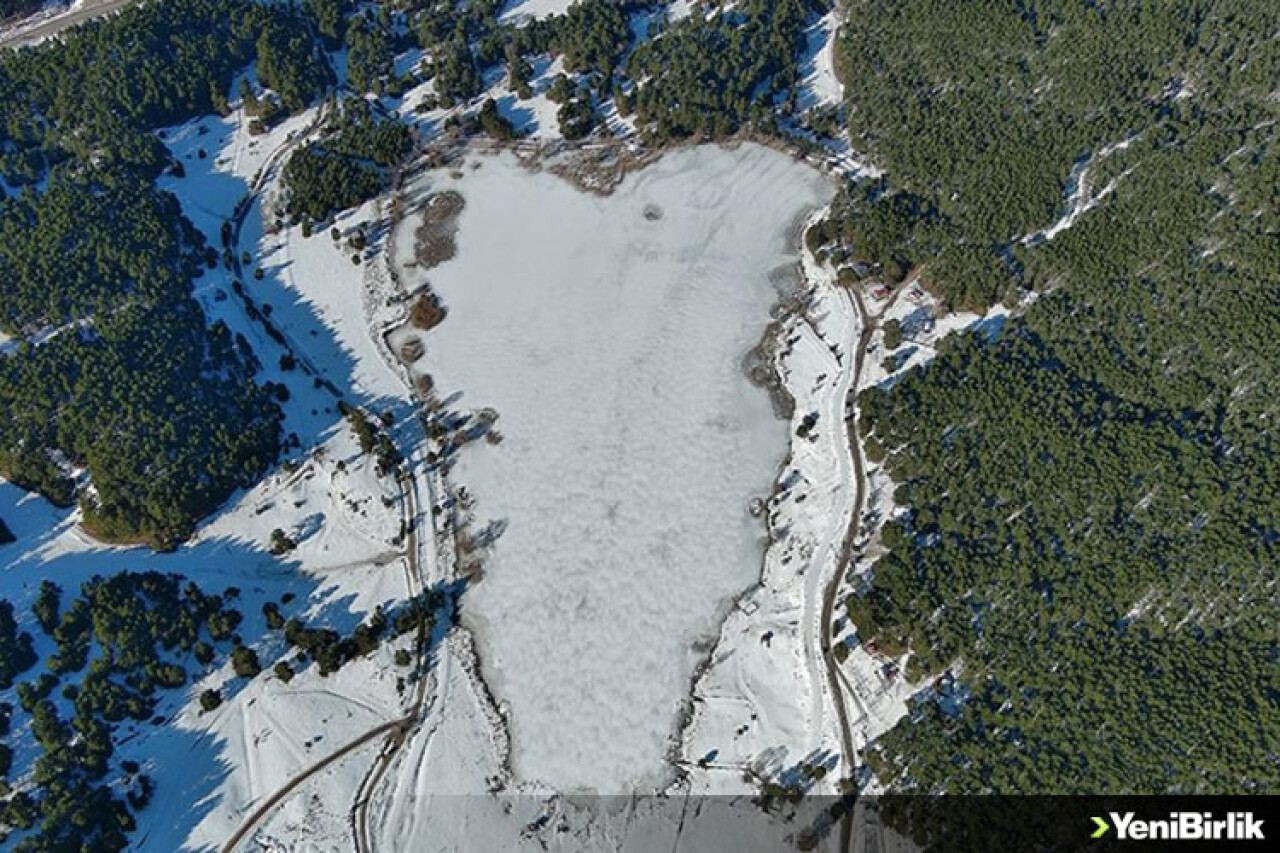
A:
182,748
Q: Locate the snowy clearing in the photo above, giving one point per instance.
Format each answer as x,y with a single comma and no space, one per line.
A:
211,768
1080,194
522,10
820,85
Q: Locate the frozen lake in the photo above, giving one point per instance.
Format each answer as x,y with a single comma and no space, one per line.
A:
609,334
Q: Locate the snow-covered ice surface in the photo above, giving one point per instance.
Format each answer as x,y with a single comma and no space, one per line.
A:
609,334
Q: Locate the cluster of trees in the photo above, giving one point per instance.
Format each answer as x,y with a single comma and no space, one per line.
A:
331,651
702,77
881,227
591,36
17,8
1092,519
330,17
460,40
291,62
576,115
370,53
346,167
709,78
492,122
159,408
143,626
372,437
17,654
151,65
979,113
88,243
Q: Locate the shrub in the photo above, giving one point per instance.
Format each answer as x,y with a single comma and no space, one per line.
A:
244,661
271,611
210,699
892,334
281,542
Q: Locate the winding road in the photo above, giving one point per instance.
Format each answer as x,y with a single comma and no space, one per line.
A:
834,677
870,322
397,730
24,33
255,818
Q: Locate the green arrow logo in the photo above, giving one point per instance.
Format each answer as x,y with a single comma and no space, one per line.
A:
1102,825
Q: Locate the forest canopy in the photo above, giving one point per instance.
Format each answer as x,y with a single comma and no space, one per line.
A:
114,370
1091,511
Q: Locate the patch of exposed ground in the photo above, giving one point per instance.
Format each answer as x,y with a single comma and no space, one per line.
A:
436,239
599,170
760,364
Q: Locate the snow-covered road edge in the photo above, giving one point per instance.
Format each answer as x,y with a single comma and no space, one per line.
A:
763,705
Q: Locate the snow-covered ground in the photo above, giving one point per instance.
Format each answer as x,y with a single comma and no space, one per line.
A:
819,83
764,704
522,10
213,769
535,118
322,302
679,9
609,333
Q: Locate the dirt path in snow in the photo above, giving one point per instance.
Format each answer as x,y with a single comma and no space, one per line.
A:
397,729
397,738
836,677
829,597
419,577
261,812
